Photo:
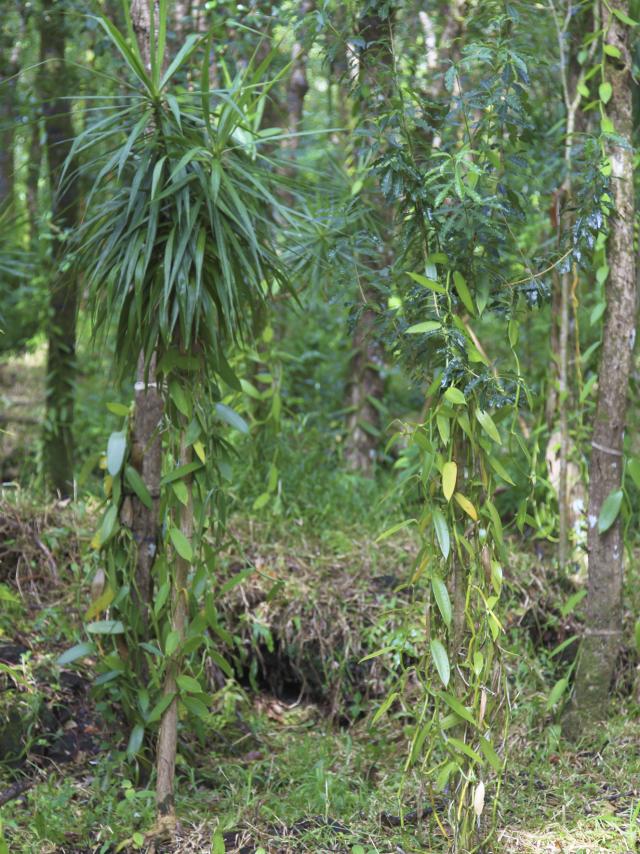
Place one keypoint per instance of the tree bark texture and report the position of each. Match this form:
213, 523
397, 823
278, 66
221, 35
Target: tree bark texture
63, 299
366, 382
602, 634
167, 746
8, 69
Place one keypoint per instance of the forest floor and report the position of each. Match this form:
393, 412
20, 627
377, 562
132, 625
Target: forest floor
278, 773
290, 761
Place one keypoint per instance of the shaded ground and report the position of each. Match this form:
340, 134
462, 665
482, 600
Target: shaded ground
283, 773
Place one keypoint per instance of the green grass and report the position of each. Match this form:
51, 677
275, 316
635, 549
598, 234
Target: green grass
285, 766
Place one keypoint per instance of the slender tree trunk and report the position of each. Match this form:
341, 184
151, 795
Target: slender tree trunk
602, 634
146, 444
54, 78
366, 383
8, 68
167, 746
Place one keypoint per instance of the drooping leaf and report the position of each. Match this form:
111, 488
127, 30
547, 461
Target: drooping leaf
441, 661
456, 706
442, 532
135, 740
384, 707
610, 510
80, 650
231, 417
463, 292
466, 505
449, 477
137, 484
181, 544
488, 425
443, 601
116, 449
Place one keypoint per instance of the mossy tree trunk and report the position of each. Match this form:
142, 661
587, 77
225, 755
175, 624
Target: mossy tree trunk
54, 77
601, 640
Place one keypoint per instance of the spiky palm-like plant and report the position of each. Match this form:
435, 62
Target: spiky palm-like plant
179, 248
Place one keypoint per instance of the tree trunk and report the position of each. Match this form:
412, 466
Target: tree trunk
602, 634
54, 78
167, 746
366, 383
8, 68
146, 444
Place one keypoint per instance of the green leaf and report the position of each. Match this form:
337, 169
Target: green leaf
457, 707
605, 91
135, 740
499, 469
235, 580
261, 501
449, 477
181, 492
609, 510
137, 484
494, 760
105, 627
444, 429
394, 529
160, 707
460, 747
189, 685
637, 635
420, 328
443, 601
231, 417
622, 16
181, 544
118, 409
190, 44
80, 650
428, 283
383, 651
100, 604
222, 663
116, 449
612, 50
441, 660
384, 708
180, 472
556, 692
217, 843
488, 425
172, 643
455, 396
633, 467
442, 533
195, 706
180, 398
463, 292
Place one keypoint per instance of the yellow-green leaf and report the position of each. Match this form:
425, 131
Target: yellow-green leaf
449, 477
466, 505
